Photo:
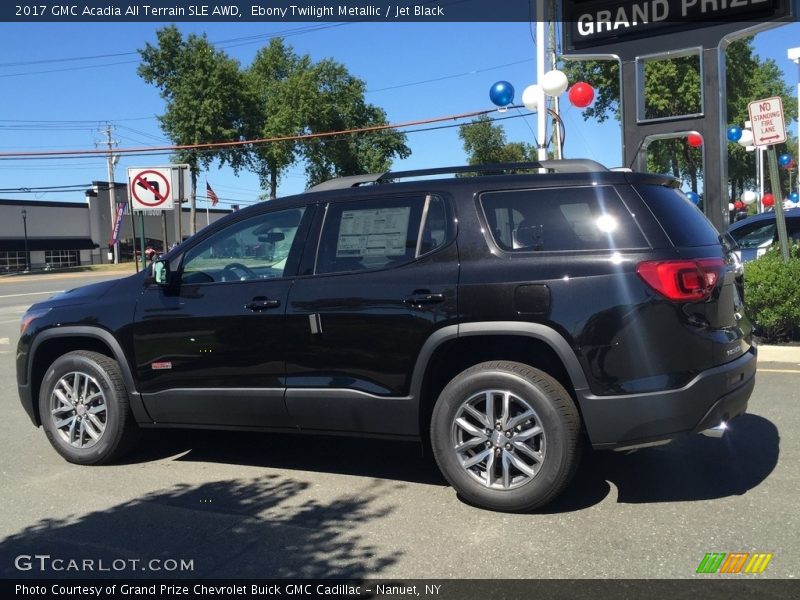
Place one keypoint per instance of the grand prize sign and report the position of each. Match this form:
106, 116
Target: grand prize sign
595, 23
632, 33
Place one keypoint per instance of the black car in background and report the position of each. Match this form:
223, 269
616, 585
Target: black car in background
504, 320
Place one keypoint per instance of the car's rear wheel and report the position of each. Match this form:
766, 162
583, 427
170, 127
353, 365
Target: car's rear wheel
506, 436
84, 408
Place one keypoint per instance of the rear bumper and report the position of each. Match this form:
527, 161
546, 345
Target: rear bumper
716, 395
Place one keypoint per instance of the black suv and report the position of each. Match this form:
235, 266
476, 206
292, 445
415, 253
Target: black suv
503, 318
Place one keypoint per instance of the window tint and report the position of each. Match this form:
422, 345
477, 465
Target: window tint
588, 218
755, 234
374, 234
256, 248
682, 221
434, 229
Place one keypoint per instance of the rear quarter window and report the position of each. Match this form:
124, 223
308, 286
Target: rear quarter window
556, 219
681, 220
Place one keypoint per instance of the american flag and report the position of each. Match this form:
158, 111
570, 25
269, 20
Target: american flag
211, 195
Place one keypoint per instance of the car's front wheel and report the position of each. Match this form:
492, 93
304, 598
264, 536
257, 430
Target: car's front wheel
84, 408
506, 436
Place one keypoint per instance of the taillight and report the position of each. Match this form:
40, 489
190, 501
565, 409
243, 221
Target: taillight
683, 280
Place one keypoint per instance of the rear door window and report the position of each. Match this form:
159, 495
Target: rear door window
381, 233
554, 219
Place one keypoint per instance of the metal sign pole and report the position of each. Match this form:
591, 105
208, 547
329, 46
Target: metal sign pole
133, 236
780, 220
141, 233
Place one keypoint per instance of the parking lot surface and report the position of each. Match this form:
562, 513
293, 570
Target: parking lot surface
231, 504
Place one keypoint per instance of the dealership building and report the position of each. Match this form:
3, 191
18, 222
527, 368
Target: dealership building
46, 234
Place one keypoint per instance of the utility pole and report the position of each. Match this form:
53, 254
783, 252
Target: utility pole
112, 195
541, 111
553, 65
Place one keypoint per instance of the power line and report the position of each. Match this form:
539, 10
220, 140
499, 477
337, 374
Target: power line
329, 137
451, 76
52, 188
231, 43
238, 143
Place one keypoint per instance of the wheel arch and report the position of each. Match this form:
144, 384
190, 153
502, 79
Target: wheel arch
453, 349
52, 343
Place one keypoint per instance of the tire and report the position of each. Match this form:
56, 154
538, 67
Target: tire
85, 410
528, 456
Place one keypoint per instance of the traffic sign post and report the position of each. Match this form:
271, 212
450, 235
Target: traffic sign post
155, 190
780, 219
769, 128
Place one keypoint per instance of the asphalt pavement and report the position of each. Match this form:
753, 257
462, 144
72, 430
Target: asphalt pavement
228, 504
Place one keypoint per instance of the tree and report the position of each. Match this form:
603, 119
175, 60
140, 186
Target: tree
485, 143
205, 98
278, 81
672, 87
339, 105
295, 96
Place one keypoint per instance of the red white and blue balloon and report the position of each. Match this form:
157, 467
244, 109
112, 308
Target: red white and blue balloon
501, 94
734, 133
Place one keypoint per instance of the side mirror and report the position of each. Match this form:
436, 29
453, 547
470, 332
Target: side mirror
160, 272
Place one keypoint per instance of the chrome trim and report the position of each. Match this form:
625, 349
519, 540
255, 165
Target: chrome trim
717, 431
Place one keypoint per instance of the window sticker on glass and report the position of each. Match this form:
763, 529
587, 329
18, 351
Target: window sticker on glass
378, 232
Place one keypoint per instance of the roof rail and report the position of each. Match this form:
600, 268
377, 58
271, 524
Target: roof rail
556, 166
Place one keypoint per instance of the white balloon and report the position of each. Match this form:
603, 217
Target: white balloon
554, 83
530, 97
749, 197
747, 138
731, 207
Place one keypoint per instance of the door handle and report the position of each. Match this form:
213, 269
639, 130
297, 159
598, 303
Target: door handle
424, 298
260, 303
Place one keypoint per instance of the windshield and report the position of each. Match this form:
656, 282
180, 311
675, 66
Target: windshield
754, 235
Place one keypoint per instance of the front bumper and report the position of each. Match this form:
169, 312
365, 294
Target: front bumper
715, 395
27, 402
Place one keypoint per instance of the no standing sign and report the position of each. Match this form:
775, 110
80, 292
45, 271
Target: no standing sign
766, 118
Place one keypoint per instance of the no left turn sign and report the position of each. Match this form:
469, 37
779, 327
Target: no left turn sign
150, 189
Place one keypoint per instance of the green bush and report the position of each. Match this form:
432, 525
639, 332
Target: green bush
772, 294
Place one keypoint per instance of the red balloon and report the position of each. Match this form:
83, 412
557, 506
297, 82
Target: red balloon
790, 165
768, 200
581, 94
695, 140
738, 205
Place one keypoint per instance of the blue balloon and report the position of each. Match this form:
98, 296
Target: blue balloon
794, 197
501, 93
693, 197
785, 160
734, 133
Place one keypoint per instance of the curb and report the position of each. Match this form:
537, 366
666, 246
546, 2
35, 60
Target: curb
779, 354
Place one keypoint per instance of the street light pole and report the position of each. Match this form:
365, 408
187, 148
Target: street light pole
25, 230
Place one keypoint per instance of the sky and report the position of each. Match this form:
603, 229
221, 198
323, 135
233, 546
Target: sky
412, 70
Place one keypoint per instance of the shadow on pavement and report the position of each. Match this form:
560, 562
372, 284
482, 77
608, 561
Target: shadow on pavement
383, 459
257, 528
690, 468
